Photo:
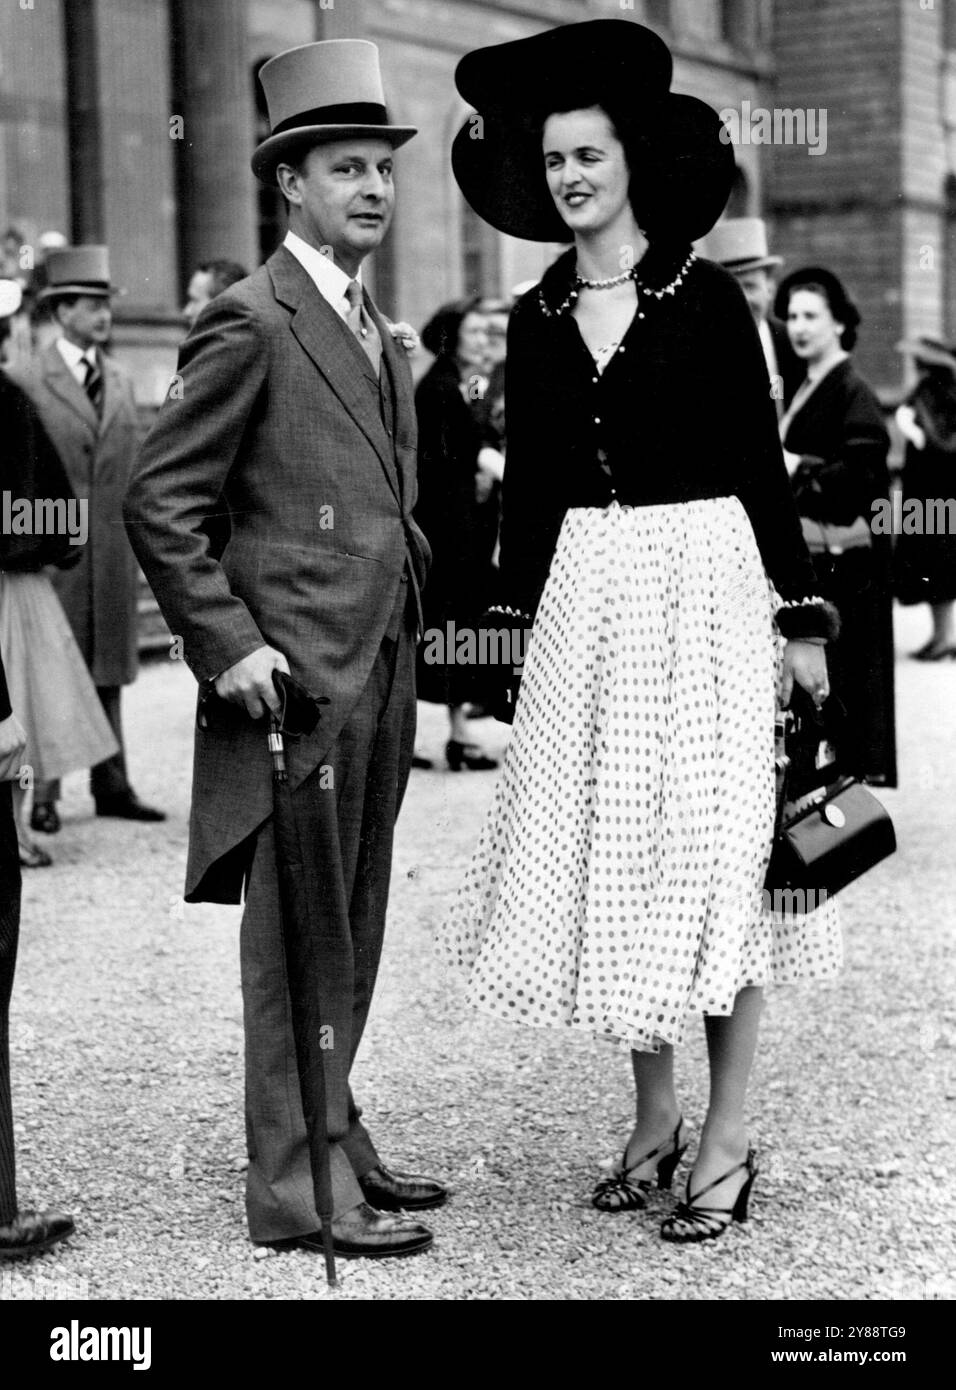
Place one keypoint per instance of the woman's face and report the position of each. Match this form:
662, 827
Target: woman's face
586, 169
473, 341
814, 332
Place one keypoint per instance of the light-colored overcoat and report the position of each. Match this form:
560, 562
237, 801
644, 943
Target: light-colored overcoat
275, 428
99, 593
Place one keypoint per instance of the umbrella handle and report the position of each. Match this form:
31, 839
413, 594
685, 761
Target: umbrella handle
277, 751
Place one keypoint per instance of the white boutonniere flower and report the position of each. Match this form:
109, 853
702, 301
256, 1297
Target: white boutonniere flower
405, 336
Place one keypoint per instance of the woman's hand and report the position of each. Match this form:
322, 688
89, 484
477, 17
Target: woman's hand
805, 663
13, 740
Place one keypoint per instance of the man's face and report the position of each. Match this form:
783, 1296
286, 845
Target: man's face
86, 321
198, 295
342, 196
758, 289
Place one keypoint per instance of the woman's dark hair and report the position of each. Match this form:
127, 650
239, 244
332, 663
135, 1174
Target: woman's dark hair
440, 334
831, 290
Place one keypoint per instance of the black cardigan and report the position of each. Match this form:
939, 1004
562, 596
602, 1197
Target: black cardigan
681, 412
843, 443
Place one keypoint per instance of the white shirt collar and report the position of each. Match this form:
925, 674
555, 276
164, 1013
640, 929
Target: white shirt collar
329, 279
76, 357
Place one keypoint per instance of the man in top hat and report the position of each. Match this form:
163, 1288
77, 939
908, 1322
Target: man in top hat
85, 400
296, 420
739, 244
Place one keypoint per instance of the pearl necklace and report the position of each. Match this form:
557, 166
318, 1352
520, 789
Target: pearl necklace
580, 283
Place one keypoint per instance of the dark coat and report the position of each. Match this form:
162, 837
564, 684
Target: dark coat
843, 441
789, 366
31, 468
925, 564
680, 413
461, 531
5, 710
278, 421
99, 592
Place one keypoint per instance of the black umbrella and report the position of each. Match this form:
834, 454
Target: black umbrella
300, 935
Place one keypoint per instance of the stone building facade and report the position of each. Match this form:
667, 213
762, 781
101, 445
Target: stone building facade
132, 122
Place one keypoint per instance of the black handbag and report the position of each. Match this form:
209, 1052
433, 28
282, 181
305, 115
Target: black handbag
828, 835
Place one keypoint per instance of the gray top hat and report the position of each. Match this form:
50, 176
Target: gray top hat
740, 243
78, 270
330, 90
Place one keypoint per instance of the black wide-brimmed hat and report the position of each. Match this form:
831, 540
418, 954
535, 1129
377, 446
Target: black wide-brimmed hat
680, 156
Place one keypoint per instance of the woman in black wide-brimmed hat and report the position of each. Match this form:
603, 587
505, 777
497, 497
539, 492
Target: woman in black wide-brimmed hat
649, 528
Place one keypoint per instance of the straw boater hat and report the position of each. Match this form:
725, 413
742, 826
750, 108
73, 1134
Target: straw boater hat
681, 167
740, 243
323, 91
77, 270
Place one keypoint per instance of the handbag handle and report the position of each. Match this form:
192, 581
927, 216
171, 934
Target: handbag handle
828, 724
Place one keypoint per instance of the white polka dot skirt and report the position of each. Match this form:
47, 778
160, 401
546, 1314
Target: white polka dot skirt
616, 884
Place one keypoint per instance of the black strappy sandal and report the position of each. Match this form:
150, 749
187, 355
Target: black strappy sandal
621, 1192
692, 1222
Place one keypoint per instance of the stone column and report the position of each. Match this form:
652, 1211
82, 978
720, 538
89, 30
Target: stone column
213, 93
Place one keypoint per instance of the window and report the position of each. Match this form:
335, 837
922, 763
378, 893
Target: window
738, 204
658, 13
738, 22
949, 259
480, 255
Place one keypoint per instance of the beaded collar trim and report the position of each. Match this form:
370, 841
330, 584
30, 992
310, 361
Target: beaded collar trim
578, 283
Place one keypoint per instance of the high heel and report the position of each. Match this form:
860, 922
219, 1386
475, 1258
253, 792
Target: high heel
621, 1192
459, 755
33, 857
932, 651
692, 1222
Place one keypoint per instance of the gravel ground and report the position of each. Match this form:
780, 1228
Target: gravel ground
127, 1065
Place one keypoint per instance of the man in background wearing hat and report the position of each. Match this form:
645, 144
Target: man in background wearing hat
85, 400
739, 244
296, 418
